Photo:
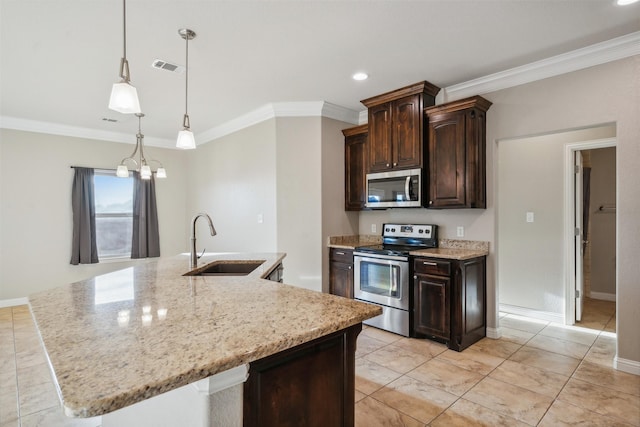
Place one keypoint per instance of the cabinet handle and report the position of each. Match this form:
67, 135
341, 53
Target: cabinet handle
430, 202
430, 263
387, 164
415, 277
395, 164
339, 253
349, 267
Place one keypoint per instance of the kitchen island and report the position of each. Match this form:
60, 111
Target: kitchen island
124, 337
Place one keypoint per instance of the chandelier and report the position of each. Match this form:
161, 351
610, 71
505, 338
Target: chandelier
142, 165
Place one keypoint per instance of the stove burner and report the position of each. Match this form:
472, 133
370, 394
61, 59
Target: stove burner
400, 239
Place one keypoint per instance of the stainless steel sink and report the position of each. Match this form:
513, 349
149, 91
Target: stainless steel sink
227, 268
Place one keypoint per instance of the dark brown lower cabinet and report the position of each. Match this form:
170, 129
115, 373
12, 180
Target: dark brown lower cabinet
308, 385
341, 272
450, 300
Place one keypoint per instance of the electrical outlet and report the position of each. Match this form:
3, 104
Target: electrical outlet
529, 216
460, 231
373, 228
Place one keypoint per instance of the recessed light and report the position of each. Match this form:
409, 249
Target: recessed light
360, 76
625, 2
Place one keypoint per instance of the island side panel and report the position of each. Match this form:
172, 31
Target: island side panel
311, 384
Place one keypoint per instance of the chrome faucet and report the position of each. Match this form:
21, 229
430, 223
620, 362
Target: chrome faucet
194, 255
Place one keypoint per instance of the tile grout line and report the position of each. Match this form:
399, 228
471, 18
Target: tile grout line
15, 364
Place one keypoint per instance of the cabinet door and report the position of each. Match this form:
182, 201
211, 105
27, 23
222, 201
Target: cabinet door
447, 159
431, 305
380, 138
355, 174
341, 279
469, 304
308, 385
407, 132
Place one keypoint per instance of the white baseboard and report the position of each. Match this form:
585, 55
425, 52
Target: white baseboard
626, 365
534, 314
602, 296
494, 333
13, 302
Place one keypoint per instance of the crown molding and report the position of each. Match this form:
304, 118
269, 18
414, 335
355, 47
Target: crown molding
254, 117
599, 53
280, 109
26, 125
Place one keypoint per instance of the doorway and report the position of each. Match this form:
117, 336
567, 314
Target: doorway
591, 234
596, 302
536, 263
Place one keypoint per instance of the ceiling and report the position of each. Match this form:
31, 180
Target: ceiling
60, 58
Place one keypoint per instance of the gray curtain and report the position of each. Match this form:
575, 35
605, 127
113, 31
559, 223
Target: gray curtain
146, 239
83, 247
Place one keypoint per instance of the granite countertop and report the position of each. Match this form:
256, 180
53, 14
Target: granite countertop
126, 336
455, 249
447, 248
448, 253
352, 242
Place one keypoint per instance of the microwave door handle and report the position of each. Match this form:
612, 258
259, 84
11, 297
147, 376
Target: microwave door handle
407, 189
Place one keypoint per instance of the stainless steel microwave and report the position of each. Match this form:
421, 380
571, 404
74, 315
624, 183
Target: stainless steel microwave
397, 189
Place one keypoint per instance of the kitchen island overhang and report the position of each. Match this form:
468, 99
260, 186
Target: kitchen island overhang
123, 337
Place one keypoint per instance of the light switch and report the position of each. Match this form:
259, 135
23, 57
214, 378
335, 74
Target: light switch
260, 218
529, 216
373, 228
460, 231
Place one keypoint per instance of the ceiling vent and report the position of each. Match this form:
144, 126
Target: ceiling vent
164, 65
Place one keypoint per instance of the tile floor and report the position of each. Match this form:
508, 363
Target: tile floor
537, 374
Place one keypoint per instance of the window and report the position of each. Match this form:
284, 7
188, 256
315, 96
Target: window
114, 214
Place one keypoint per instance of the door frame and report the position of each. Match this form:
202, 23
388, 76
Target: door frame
569, 220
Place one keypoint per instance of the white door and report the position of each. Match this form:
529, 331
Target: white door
578, 235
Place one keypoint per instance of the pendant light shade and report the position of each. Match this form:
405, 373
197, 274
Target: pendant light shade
122, 171
186, 140
161, 173
124, 97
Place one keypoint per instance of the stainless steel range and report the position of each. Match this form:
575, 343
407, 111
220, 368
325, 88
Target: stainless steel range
381, 273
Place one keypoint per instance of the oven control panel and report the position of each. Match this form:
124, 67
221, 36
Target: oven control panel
423, 231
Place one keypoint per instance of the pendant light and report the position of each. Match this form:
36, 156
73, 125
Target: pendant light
142, 164
185, 136
124, 97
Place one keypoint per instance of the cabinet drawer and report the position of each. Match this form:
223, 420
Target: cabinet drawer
432, 266
341, 255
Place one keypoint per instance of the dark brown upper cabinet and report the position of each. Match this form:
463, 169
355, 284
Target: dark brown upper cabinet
356, 152
396, 127
457, 154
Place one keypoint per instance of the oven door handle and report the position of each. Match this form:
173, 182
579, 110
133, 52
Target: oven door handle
376, 257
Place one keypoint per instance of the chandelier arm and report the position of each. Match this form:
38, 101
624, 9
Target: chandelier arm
129, 158
156, 161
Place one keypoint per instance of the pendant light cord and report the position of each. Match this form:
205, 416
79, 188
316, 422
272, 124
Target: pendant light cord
186, 81
124, 28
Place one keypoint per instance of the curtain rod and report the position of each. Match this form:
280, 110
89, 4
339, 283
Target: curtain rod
95, 169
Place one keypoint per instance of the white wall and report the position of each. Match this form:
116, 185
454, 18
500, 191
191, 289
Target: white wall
603, 223
531, 259
233, 179
607, 93
35, 209
335, 220
299, 189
